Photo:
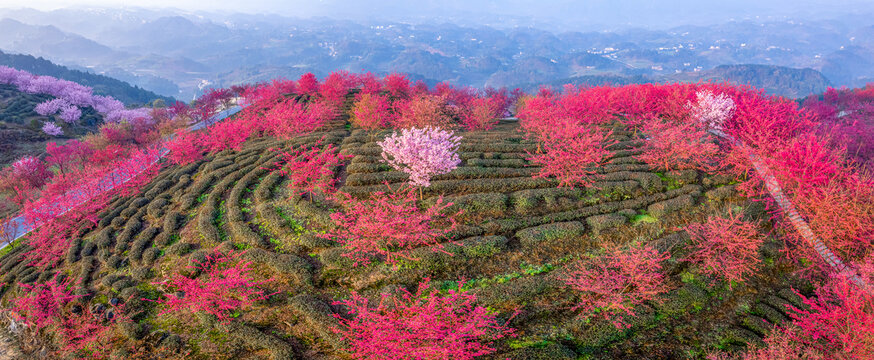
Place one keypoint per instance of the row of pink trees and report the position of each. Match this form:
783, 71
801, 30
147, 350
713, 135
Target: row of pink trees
68, 98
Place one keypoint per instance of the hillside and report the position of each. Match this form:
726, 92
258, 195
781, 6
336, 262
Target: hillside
102, 85
21, 128
516, 240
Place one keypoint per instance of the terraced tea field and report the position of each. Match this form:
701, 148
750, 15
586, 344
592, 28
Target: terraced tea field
516, 236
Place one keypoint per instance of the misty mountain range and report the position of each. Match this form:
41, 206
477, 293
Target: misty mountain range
177, 53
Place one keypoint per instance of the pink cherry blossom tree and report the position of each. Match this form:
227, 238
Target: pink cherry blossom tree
421, 153
711, 109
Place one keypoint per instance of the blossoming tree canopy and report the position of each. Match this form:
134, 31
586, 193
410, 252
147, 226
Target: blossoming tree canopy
421, 153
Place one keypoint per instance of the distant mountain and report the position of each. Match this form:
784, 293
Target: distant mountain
102, 85
76, 51
775, 80
162, 49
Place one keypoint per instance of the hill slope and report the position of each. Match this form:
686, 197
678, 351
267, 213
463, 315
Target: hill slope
102, 85
21, 127
519, 234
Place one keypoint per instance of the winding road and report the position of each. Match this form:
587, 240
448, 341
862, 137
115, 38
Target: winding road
19, 226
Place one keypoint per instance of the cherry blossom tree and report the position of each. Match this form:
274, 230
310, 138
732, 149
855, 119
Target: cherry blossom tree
727, 247
711, 109
420, 325
52, 129
388, 226
226, 284
421, 153
616, 281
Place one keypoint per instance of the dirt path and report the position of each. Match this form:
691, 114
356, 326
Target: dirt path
8, 350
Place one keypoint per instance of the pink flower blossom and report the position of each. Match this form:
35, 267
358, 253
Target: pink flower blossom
52, 129
421, 153
424, 325
711, 109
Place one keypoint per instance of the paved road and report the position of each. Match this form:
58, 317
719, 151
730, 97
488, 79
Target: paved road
20, 225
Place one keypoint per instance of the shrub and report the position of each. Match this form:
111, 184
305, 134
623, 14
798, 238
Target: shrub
614, 282
419, 326
421, 153
389, 226
726, 246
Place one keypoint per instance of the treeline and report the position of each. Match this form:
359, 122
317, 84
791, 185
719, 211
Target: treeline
102, 85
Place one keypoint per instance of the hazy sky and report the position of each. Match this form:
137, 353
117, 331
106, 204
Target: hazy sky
565, 13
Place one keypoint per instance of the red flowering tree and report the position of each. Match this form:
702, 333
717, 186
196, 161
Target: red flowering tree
30, 172
226, 284
227, 135
421, 325
683, 146
308, 84
840, 320
338, 83
397, 85
291, 118
310, 169
66, 157
388, 226
372, 112
481, 114
537, 116
572, 154
616, 281
185, 147
422, 111
43, 304
727, 247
